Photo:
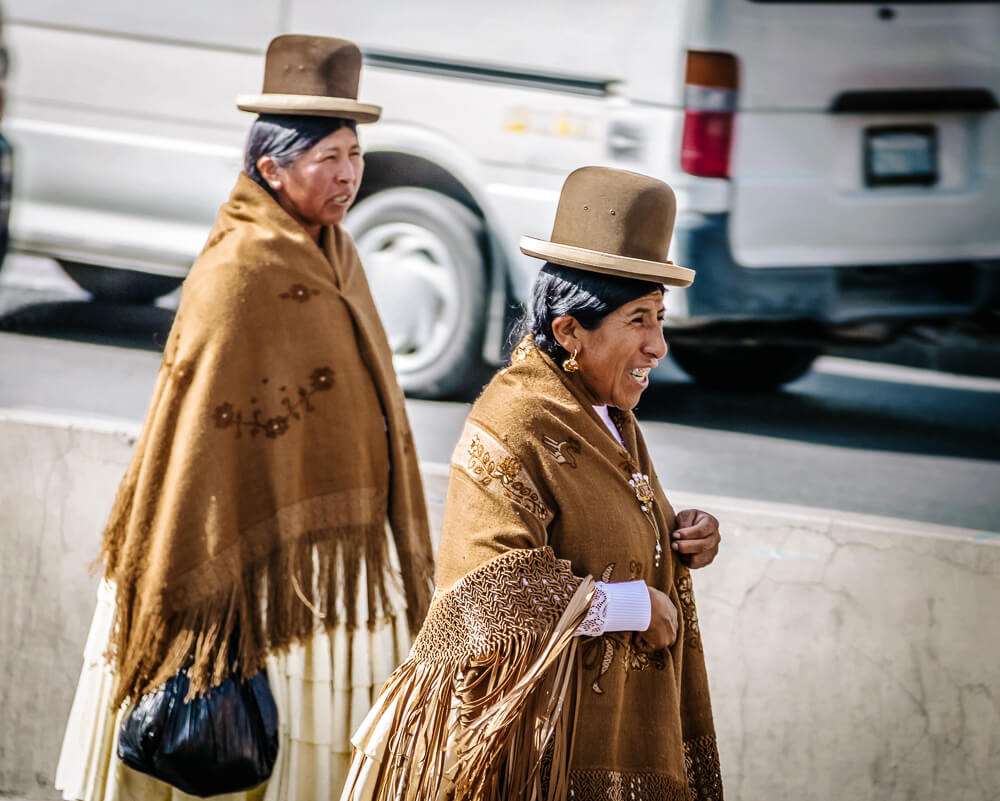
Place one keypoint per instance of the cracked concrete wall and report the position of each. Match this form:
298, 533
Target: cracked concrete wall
56, 488
850, 657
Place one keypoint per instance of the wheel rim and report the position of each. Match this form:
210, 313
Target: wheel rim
415, 283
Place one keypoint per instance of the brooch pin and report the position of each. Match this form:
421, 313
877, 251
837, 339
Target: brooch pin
644, 494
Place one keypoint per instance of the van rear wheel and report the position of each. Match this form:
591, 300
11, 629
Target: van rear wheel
117, 285
421, 252
744, 367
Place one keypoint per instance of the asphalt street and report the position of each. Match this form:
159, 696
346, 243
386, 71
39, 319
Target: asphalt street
859, 436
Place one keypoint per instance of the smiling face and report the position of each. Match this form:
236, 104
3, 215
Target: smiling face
615, 358
318, 187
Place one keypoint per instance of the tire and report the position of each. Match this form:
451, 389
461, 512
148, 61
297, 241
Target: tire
744, 367
421, 252
118, 285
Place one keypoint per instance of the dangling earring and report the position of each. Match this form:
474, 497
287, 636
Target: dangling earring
571, 365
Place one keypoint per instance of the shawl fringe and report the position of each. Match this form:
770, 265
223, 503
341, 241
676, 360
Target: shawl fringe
255, 616
480, 724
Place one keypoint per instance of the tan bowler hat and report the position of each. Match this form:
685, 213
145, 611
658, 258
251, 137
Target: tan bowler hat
615, 222
315, 76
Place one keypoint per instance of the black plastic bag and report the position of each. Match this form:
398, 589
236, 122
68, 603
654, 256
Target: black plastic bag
225, 741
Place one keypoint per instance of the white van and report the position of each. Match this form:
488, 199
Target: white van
837, 164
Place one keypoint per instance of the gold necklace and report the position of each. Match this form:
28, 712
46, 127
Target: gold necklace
643, 493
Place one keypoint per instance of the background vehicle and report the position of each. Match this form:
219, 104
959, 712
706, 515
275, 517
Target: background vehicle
837, 164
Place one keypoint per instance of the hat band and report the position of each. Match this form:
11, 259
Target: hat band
608, 263
310, 105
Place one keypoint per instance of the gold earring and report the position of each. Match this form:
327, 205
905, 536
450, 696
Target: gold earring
571, 365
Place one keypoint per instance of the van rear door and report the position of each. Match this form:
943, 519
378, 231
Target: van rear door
865, 134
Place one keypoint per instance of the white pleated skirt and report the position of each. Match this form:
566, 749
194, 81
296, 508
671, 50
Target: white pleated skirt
323, 690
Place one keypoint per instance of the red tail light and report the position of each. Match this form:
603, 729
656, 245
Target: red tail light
711, 84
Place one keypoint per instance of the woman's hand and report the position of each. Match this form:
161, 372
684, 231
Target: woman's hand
662, 631
696, 538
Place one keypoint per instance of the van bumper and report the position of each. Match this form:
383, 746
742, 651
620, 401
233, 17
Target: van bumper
725, 291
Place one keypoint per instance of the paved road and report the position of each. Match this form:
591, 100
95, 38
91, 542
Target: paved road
851, 435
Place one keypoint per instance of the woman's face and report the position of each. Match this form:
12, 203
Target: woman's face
319, 187
616, 357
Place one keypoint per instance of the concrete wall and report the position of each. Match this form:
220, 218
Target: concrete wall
56, 488
850, 657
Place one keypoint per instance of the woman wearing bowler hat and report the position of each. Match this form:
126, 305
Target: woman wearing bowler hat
529, 679
273, 514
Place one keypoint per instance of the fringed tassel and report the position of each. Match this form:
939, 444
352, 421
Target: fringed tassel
518, 723
444, 730
282, 598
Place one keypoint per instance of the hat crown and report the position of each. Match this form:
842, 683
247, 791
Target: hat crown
312, 65
615, 211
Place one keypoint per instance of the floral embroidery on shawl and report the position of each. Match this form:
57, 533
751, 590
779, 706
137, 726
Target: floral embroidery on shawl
599, 654
485, 460
523, 350
632, 659
256, 422
692, 632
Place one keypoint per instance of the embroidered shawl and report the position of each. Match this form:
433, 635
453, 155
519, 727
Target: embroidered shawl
275, 450
540, 495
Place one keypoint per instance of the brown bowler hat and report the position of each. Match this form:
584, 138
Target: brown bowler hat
315, 76
615, 222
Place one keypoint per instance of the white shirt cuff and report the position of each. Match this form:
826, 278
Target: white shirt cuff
628, 606
623, 606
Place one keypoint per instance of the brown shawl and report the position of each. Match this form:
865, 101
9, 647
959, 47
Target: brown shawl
275, 448
536, 479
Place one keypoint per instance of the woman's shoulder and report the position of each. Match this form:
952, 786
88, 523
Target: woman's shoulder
233, 284
222, 272
243, 252
522, 411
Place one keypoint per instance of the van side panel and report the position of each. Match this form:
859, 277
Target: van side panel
516, 32
220, 23
130, 165
638, 44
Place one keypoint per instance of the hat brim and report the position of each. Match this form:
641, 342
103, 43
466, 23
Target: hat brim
608, 263
309, 106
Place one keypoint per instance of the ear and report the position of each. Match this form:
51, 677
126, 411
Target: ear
567, 330
270, 170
